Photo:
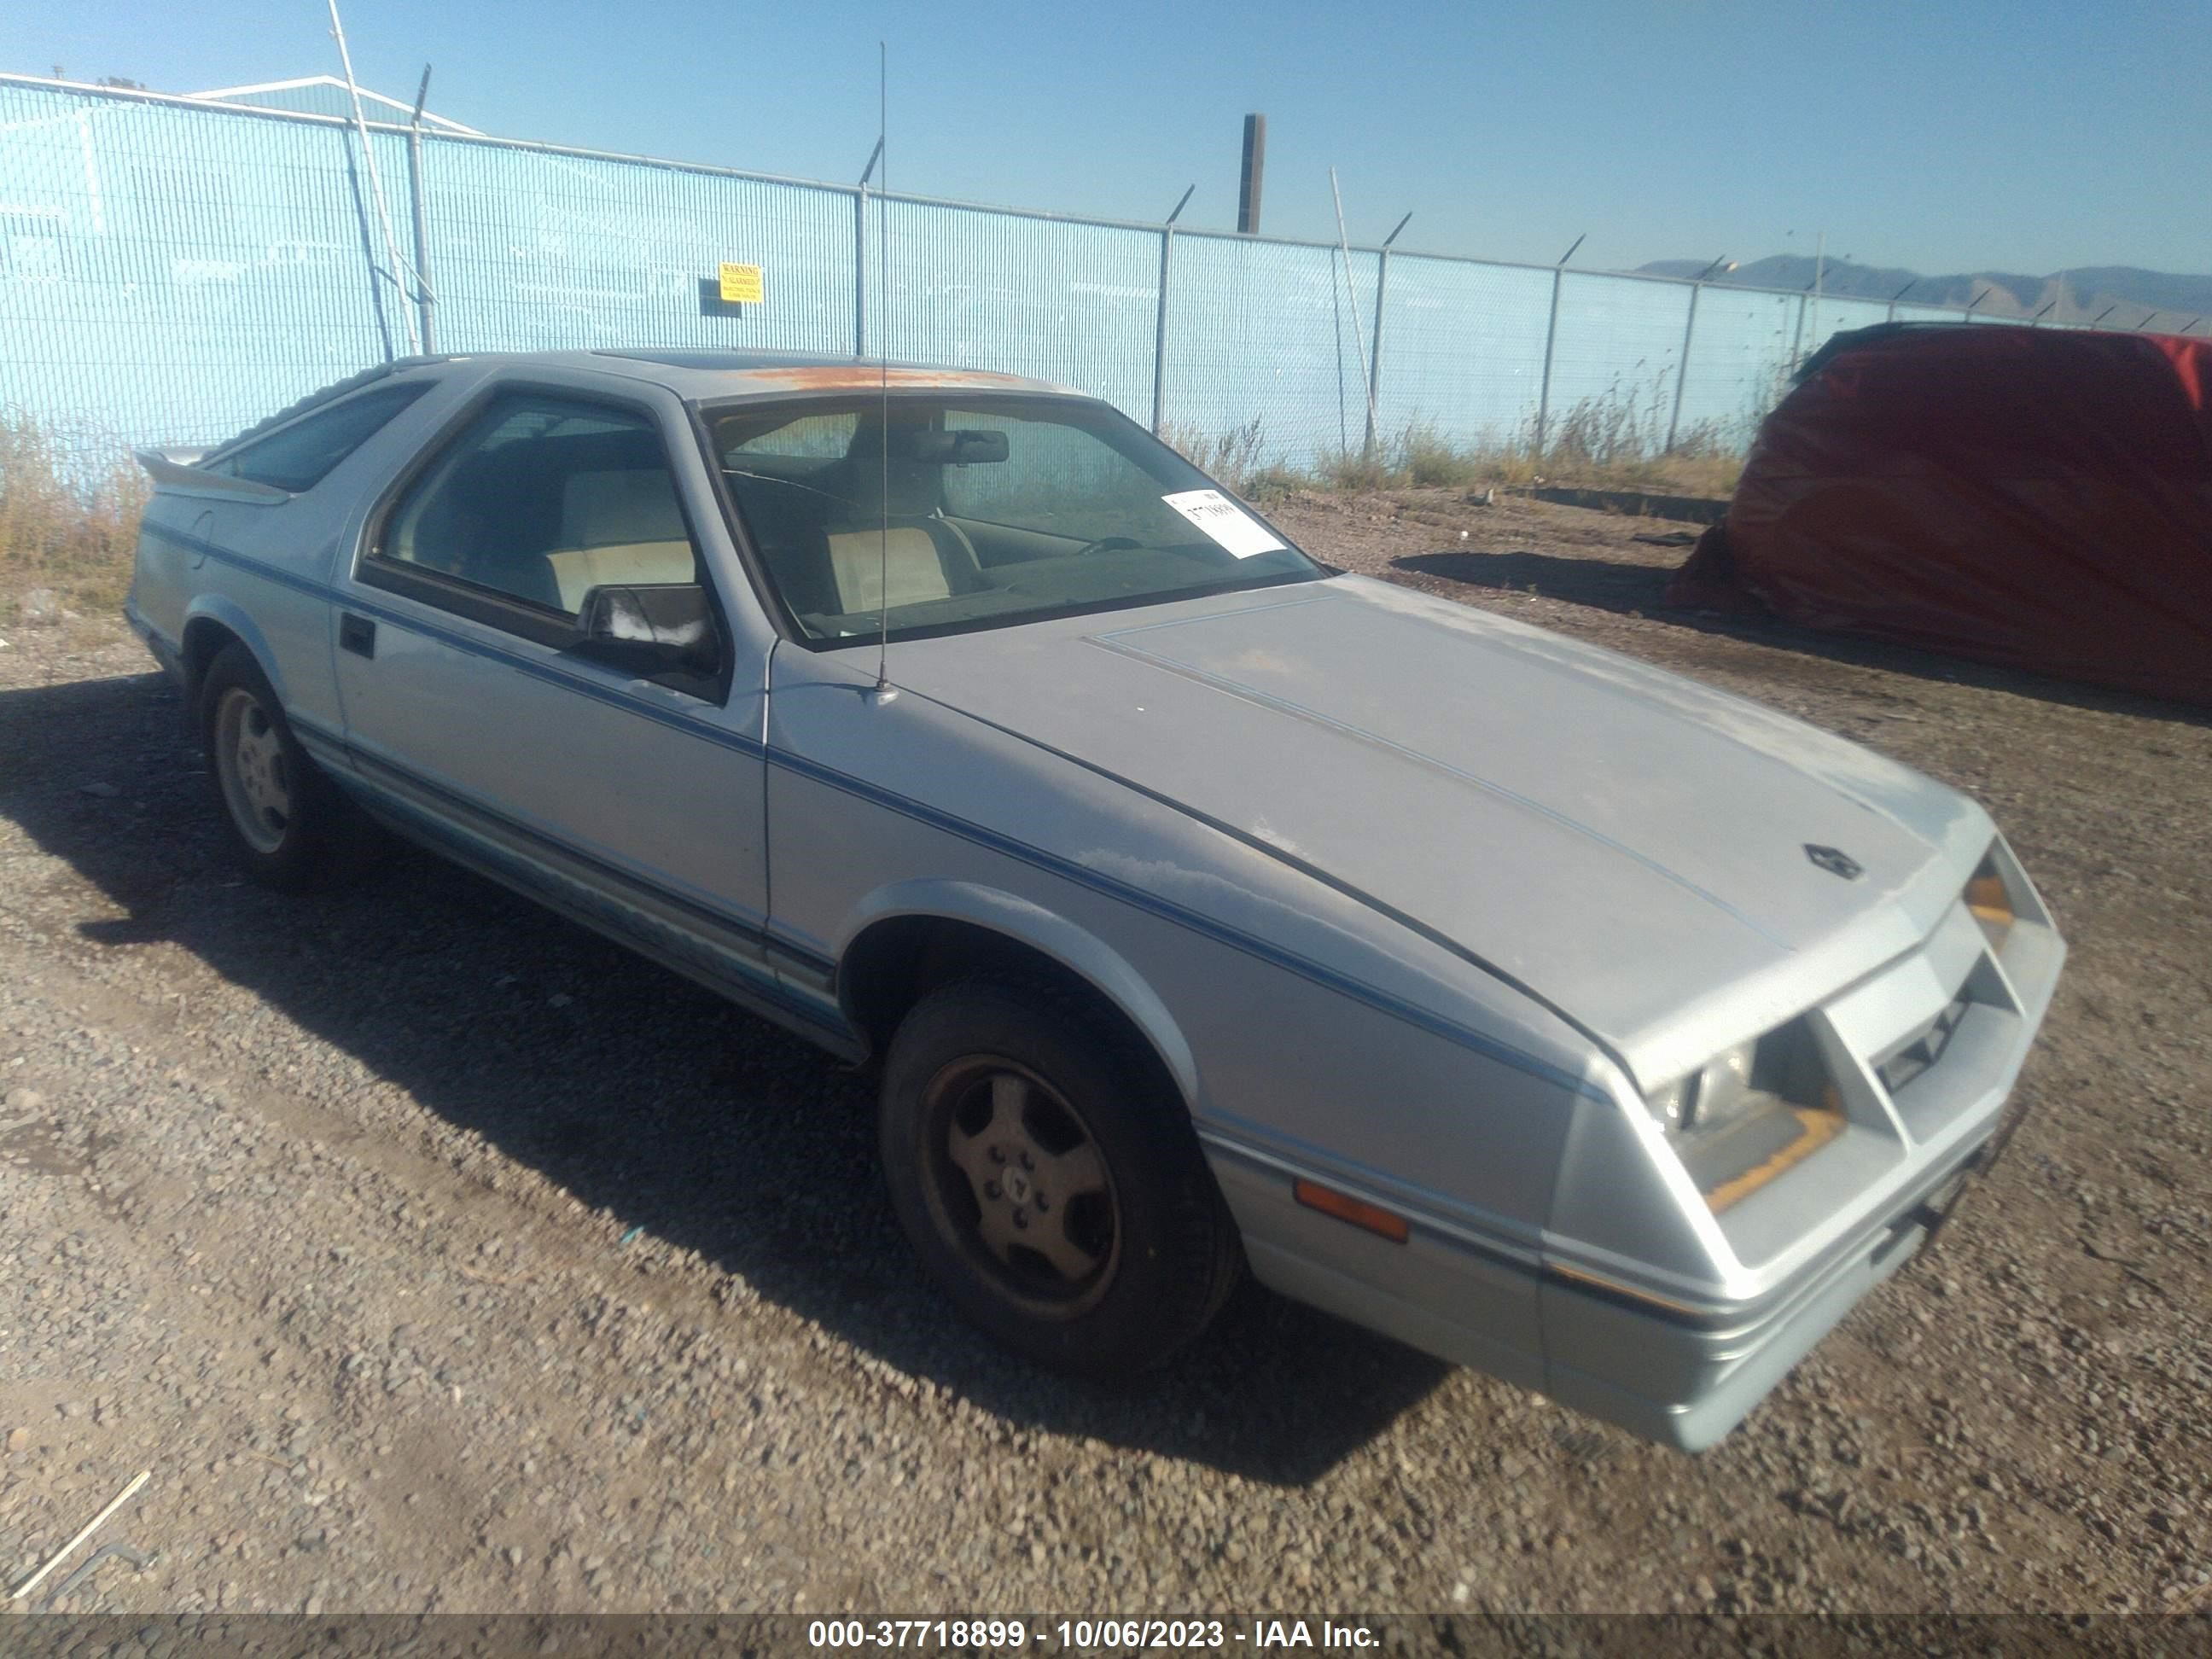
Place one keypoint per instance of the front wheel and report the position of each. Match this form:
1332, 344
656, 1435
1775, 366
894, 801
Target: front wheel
1051, 1181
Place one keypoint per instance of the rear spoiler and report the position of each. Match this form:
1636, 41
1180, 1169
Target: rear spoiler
176, 472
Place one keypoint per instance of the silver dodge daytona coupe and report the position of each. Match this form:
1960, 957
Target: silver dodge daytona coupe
1199, 908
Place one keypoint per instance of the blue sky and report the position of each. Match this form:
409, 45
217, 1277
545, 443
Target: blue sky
1950, 135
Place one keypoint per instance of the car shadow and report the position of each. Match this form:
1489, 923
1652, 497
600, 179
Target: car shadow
1632, 589
636, 1092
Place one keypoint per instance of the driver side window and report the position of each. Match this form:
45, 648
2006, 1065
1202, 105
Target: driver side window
540, 499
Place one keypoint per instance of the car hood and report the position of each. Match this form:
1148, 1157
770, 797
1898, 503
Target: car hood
1630, 845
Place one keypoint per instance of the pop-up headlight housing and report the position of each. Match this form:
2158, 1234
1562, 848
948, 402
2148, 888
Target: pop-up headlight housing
1749, 1113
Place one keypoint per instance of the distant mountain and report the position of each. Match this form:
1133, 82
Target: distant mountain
2074, 297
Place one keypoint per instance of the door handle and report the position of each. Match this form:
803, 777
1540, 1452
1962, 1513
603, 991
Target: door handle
356, 635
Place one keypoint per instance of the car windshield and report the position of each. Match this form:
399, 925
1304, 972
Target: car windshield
980, 512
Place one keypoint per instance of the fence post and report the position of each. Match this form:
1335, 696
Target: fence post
1797, 337
1375, 360
860, 271
425, 296
1160, 316
860, 254
1160, 334
1551, 339
1682, 368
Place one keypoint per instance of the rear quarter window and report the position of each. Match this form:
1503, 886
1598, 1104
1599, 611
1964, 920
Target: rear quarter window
301, 455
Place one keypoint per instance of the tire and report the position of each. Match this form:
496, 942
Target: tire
1048, 1178
287, 825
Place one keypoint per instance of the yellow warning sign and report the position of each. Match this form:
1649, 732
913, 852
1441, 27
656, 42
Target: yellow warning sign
741, 285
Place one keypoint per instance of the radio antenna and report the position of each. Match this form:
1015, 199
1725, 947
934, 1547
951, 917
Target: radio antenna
884, 691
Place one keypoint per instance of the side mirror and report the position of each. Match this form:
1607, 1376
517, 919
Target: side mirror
649, 631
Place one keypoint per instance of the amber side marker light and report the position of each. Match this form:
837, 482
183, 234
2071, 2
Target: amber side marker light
1344, 1207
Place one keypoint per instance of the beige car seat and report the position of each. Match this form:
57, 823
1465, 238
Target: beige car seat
891, 534
618, 528
861, 562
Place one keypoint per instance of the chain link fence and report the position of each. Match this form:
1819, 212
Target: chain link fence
171, 272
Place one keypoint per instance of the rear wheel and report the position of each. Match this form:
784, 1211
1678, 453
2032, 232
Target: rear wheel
288, 826
1049, 1180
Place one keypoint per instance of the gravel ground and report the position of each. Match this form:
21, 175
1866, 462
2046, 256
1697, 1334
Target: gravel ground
433, 1255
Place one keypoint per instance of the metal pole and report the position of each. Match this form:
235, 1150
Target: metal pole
1160, 336
1899, 294
425, 296
1682, 368
2038, 317
1375, 360
376, 183
861, 253
1160, 318
1352, 300
2101, 315
1551, 339
1248, 179
1544, 391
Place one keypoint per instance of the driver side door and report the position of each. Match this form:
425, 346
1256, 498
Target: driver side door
635, 805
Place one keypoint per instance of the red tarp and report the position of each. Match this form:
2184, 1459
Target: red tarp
2040, 498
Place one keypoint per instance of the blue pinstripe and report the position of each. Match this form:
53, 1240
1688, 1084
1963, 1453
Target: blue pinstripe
1036, 857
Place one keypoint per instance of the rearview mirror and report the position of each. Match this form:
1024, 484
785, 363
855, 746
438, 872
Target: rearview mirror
958, 448
649, 629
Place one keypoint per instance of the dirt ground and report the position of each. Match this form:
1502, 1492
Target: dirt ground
433, 1255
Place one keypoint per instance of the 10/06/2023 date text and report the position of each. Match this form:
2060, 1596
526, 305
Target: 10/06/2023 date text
1080, 1635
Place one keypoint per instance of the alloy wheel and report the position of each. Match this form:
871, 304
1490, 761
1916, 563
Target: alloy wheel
1021, 1186
251, 763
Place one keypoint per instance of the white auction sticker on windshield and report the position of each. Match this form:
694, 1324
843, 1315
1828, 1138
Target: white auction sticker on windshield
1226, 522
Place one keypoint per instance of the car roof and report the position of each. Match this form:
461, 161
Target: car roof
706, 375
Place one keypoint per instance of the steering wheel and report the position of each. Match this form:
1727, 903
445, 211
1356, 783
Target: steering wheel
1105, 545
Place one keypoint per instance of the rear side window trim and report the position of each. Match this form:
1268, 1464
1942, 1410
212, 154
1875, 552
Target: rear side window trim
402, 394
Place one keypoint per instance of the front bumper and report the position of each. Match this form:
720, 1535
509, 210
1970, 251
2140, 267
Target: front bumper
1667, 1377
1921, 1137
1686, 1384
1677, 1357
